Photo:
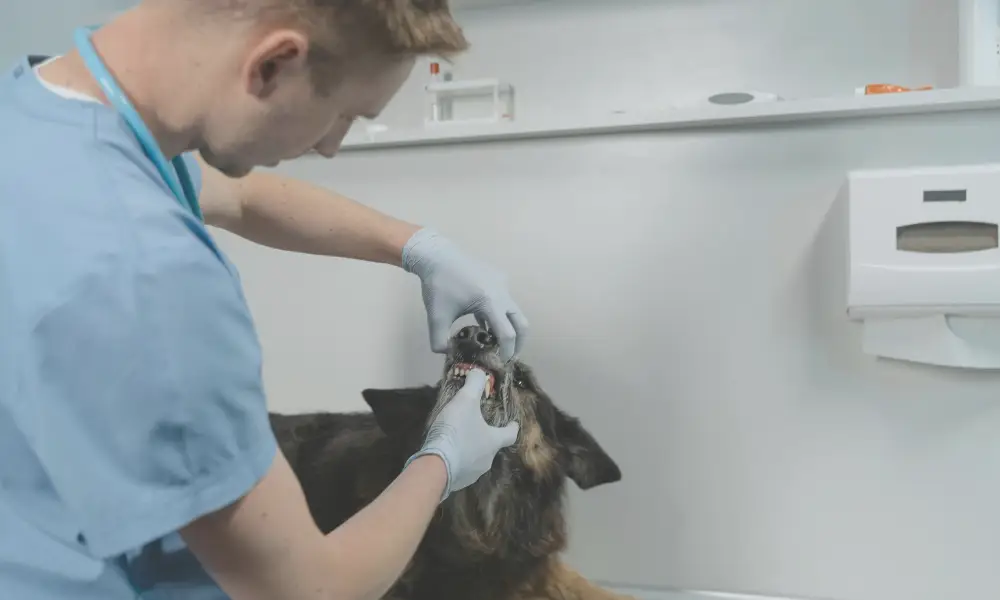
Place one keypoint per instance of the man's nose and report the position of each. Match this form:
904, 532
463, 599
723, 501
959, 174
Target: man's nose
328, 148
330, 145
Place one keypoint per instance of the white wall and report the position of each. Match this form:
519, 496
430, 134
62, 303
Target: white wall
686, 293
596, 56
46, 27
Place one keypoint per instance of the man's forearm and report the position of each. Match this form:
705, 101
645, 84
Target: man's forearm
379, 541
267, 546
297, 216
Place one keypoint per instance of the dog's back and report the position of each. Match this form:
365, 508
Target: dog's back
342, 460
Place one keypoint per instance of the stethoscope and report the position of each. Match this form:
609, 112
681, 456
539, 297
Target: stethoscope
178, 179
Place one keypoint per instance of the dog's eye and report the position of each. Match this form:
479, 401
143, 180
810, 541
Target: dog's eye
519, 380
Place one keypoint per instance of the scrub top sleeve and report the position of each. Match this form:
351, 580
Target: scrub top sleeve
148, 407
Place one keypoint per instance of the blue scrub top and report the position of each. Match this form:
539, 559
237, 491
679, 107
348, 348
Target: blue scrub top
131, 399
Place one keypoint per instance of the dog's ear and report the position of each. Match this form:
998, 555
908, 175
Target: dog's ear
587, 463
400, 411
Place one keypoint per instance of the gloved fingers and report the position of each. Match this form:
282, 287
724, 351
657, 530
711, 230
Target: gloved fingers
502, 329
520, 323
439, 329
475, 383
508, 434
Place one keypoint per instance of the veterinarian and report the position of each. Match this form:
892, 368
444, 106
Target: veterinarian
137, 457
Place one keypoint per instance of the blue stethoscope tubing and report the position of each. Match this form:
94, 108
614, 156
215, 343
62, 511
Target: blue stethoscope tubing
178, 179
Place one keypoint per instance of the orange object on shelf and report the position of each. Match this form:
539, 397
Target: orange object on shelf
888, 88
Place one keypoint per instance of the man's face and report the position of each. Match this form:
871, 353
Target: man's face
273, 112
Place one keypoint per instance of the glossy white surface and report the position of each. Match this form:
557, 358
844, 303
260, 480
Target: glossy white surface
464, 5
647, 594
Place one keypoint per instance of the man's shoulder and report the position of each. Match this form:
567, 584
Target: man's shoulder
55, 146
98, 159
84, 211
81, 203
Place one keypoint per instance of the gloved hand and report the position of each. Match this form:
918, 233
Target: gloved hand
455, 285
463, 439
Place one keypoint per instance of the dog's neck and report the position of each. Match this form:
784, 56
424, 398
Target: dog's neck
509, 511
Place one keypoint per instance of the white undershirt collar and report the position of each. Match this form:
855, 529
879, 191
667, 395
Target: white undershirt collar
59, 90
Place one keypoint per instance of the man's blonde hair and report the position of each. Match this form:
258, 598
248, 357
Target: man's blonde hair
343, 32
345, 27
392, 27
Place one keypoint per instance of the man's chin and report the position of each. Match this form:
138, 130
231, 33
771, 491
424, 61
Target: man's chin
228, 168
234, 171
238, 173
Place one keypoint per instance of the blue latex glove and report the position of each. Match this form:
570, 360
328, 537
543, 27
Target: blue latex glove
463, 439
455, 285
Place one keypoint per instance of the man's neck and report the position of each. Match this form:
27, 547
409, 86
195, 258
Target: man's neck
153, 71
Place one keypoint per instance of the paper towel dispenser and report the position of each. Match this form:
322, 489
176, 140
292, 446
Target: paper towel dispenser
925, 263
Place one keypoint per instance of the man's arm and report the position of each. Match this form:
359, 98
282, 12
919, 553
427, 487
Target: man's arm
293, 215
289, 214
266, 546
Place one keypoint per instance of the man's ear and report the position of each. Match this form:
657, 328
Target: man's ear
587, 463
398, 411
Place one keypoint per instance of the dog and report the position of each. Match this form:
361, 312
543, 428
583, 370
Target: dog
498, 539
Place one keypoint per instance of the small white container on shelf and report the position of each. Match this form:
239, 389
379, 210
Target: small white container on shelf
979, 42
474, 101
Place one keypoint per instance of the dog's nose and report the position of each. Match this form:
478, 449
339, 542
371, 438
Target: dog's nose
473, 337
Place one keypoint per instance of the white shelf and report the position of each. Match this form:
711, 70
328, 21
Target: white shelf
649, 594
846, 107
460, 5
466, 87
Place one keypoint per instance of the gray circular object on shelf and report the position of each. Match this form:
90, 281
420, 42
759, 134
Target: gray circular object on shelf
731, 98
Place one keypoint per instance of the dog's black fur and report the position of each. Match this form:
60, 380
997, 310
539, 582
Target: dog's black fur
495, 540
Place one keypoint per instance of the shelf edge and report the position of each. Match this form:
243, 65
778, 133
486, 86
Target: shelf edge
710, 116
